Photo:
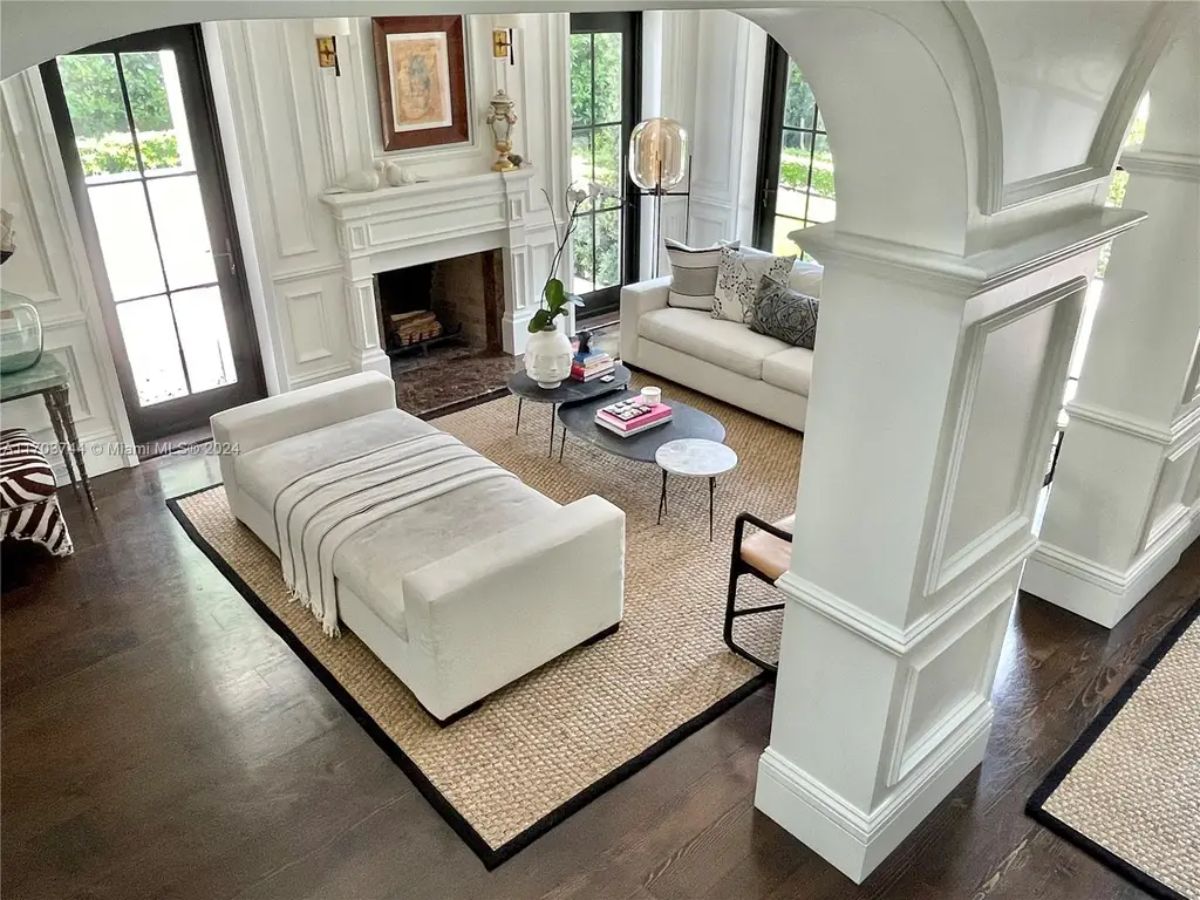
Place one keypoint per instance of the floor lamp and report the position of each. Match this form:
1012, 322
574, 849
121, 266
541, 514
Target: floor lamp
659, 162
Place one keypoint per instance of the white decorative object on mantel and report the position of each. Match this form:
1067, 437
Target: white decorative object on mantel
361, 181
398, 176
548, 357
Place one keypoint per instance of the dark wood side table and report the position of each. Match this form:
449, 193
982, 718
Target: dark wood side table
49, 378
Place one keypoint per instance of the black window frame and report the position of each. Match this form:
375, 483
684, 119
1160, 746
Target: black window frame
192, 410
629, 25
770, 149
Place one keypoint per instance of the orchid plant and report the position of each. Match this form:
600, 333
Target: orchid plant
555, 299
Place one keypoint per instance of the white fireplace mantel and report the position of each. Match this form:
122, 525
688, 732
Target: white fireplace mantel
397, 227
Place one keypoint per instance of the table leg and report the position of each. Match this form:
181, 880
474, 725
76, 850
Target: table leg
562, 445
662, 498
63, 400
712, 483
553, 419
60, 435
520, 402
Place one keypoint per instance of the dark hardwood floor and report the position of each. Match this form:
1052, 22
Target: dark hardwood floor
158, 740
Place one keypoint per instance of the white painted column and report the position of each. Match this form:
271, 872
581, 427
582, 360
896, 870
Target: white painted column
366, 343
935, 387
1125, 500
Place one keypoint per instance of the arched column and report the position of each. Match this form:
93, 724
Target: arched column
937, 379
935, 388
1125, 500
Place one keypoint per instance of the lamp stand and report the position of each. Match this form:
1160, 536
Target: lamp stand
658, 193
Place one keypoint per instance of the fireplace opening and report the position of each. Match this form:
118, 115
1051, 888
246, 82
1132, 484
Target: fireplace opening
456, 302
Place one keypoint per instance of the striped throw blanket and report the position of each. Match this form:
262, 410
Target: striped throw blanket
28, 505
316, 513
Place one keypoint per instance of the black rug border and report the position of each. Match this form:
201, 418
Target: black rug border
1035, 808
489, 856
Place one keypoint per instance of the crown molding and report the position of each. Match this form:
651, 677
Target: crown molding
978, 272
1179, 166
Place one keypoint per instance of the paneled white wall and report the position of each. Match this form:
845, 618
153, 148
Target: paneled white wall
291, 130
705, 68
50, 266
297, 130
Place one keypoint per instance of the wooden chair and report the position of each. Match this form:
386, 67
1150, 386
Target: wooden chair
765, 554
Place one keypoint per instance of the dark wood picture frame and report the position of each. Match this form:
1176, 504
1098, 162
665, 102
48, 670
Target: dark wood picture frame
458, 131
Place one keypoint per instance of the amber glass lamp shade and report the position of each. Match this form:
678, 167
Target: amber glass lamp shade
658, 154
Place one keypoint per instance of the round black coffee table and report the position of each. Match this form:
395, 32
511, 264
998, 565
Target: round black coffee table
686, 422
570, 391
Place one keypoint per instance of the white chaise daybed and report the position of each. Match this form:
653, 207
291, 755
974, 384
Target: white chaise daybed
458, 576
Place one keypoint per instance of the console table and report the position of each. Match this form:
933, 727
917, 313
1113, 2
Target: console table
48, 377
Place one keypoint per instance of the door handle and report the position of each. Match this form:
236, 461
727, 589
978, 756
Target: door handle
229, 258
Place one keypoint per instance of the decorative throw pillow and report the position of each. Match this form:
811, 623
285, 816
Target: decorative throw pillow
694, 274
785, 314
738, 279
806, 278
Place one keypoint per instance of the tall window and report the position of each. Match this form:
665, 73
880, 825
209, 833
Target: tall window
795, 171
605, 57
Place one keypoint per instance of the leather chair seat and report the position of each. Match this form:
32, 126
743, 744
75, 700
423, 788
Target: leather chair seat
767, 553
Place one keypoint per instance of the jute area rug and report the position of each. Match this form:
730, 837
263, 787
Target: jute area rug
544, 746
1128, 791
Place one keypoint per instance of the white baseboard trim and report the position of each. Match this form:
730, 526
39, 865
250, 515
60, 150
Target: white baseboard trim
853, 841
1097, 592
372, 360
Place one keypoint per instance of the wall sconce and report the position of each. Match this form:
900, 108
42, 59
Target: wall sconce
502, 45
327, 31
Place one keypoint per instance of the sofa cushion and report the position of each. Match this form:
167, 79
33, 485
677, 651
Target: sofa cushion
694, 274
806, 278
374, 561
738, 279
789, 369
785, 314
729, 345
264, 472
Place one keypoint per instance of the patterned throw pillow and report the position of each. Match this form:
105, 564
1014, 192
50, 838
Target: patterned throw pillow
694, 274
785, 314
738, 279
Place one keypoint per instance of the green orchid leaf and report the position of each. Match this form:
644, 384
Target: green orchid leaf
555, 295
541, 319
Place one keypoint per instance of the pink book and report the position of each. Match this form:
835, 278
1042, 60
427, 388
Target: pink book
657, 412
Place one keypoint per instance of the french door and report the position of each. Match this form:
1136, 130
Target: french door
795, 167
138, 137
605, 94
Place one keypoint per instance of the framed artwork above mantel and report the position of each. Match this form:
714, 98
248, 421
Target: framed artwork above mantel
420, 63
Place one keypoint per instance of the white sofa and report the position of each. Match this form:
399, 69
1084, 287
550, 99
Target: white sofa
458, 595
723, 359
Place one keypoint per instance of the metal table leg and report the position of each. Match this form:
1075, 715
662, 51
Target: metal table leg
63, 401
520, 401
61, 436
712, 483
562, 444
662, 498
553, 410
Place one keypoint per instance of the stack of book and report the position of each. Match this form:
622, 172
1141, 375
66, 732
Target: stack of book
629, 417
588, 365
411, 327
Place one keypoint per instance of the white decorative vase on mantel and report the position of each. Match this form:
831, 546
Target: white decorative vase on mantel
548, 357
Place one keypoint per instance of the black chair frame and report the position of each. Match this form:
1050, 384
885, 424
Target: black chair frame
739, 567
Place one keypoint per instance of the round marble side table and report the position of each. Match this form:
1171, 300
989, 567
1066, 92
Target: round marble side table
694, 458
